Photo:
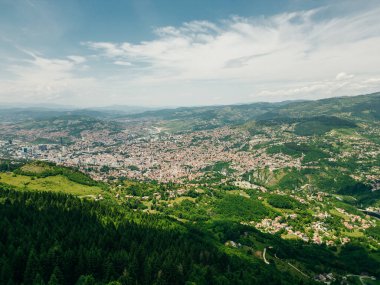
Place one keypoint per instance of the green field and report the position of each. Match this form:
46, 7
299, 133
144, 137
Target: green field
336, 213
57, 183
354, 234
36, 168
290, 236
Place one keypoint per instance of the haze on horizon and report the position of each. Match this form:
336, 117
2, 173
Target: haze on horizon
186, 53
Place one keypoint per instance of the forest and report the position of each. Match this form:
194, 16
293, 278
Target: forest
50, 238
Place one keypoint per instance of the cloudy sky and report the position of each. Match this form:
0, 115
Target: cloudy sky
186, 52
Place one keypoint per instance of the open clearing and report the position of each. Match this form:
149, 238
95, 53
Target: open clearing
57, 183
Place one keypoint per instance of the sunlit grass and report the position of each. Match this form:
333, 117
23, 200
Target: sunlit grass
57, 183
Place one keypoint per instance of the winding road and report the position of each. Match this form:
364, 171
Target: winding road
264, 253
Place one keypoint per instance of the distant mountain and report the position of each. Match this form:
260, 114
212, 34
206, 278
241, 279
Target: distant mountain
362, 107
16, 114
25, 114
356, 108
125, 109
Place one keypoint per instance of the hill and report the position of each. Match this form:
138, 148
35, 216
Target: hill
60, 239
357, 108
207, 235
283, 193
78, 242
43, 176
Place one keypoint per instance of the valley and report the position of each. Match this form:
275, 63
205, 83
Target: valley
294, 194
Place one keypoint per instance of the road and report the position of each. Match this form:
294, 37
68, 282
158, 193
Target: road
298, 270
361, 277
264, 253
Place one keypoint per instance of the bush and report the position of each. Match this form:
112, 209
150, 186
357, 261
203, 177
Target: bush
241, 208
283, 202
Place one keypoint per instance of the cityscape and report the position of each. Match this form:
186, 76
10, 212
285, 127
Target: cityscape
193, 142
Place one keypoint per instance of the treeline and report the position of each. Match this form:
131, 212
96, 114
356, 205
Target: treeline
333, 120
362, 192
49, 238
284, 202
321, 125
309, 126
239, 208
312, 153
7, 165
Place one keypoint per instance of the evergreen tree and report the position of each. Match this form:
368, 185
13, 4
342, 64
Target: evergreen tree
56, 276
53, 280
38, 280
32, 268
6, 272
86, 280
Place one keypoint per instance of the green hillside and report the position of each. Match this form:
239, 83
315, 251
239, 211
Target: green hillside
43, 176
204, 237
353, 109
277, 194
55, 239
92, 243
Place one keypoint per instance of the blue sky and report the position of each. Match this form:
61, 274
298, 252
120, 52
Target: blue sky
181, 53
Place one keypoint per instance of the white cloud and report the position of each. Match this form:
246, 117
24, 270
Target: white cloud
40, 79
372, 80
347, 85
305, 54
77, 58
286, 47
124, 63
343, 75
110, 49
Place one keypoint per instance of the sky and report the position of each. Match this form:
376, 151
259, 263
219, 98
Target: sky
89, 53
